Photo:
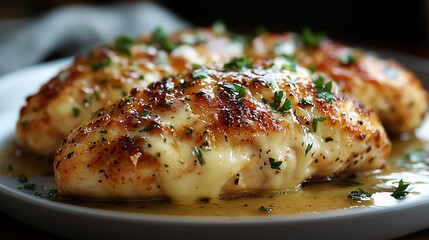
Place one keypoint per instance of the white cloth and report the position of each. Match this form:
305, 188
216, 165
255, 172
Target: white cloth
74, 29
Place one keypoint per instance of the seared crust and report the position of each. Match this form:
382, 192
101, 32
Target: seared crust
396, 94
188, 138
107, 74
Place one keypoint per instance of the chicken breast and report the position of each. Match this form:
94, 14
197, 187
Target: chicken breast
395, 93
214, 132
109, 73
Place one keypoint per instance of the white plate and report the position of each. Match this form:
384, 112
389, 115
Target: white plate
81, 222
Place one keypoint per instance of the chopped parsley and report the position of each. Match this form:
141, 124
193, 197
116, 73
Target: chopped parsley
197, 153
191, 39
11, 167
196, 65
267, 210
52, 193
235, 88
103, 131
123, 44
316, 121
308, 102
190, 131
309, 146
328, 139
415, 155
312, 69
200, 74
360, 194
161, 60
291, 66
219, 28
22, 179
96, 65
287, 105
76, 112
270, 85
311, 39
30, 186
24, 123
161, 37
349, 183
129, 98
238, 63
37, 194
400, 190
146, 112
347, 59
148, 128
275, 164
324, 90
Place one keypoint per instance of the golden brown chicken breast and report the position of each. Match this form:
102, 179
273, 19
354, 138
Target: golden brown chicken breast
107, 74
214, 132
395, 93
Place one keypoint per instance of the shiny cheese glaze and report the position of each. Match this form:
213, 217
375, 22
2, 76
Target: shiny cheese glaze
121, 154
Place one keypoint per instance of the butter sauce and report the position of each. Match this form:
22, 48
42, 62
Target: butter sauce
311, 196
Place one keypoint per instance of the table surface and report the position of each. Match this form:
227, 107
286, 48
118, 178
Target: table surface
14, 229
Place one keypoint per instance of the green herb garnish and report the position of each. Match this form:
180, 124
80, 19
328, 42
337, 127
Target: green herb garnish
360, 194
275, 164
308, 102
200, 74
400, 190
96, 65
267, 210
219, 28
238, 63
197, 153
76, 112
235, 88
37, 194
328, 139
30, 186
309, 146
161, 60
51, 193
123, 44
22, 179
316, 121
312, 39
146, 113
161, 37
312, 69
287, 105
348, 59
324, 90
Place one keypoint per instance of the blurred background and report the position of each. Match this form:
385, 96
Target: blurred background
394, 25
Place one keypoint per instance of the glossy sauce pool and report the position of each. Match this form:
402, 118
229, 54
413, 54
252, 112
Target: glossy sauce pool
409, 161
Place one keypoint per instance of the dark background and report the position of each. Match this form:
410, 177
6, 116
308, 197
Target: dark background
397, 25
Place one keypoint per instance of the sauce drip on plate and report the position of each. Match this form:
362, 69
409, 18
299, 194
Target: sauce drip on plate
409, 162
